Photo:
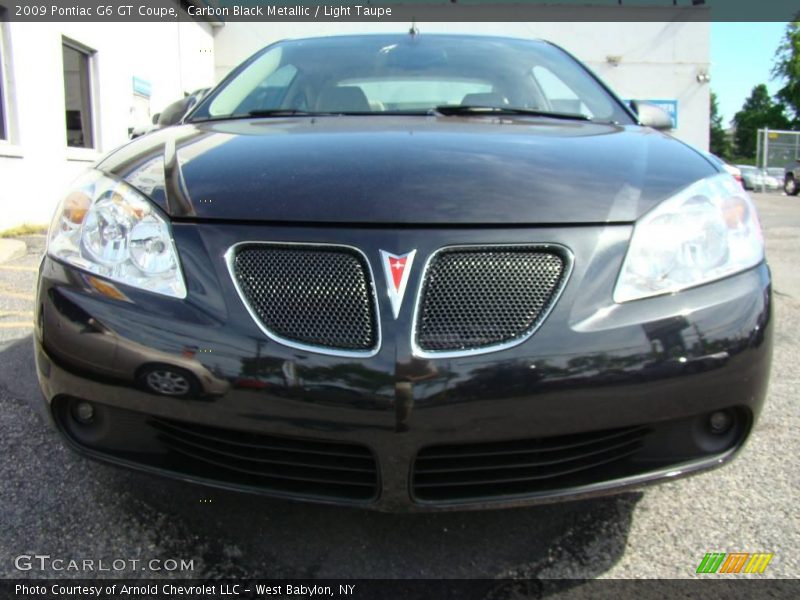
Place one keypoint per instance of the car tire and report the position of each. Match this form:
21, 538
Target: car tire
167, 380
790, 186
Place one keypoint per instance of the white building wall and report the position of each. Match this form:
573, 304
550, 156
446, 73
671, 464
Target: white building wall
36, 165
658, 60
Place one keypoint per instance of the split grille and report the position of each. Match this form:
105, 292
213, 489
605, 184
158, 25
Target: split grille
472, 299
286, 465
477, 298
320, 296
523, 467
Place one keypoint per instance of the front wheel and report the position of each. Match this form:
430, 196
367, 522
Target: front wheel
790, 186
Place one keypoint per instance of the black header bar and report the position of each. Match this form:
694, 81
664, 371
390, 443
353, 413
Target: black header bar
218, 12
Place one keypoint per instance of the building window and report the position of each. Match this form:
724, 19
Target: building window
78, 95
3, 110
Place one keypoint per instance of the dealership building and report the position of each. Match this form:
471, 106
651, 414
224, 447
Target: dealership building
70, 92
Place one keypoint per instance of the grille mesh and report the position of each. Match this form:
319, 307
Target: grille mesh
314, 295
481, 297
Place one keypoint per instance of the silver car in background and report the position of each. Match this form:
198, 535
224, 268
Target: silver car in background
774, 177
752, 177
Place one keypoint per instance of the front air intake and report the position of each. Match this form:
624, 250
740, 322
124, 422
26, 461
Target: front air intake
292, 466
486, 298
491, 470
318, 297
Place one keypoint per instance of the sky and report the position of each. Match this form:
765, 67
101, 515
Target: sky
742, 55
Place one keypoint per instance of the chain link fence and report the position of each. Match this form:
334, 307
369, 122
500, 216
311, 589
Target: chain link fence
777, 148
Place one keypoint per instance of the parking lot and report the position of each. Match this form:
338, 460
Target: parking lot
55, 502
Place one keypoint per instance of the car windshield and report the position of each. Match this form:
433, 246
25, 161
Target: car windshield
410, 74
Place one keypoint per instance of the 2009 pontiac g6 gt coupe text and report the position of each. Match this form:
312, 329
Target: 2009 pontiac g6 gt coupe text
407, 272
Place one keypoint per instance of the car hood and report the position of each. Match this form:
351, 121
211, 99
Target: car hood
408, 170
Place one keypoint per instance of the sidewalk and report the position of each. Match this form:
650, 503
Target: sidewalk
19, 261
11, 248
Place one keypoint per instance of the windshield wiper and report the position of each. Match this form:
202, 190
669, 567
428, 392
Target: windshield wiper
468, 109
336, 113
270, 112
282, 112
294, 112
445, 109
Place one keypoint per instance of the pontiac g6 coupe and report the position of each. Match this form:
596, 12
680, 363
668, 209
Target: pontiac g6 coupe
407, 272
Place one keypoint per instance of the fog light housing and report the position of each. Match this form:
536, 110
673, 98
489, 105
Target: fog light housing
720, 422
83, 412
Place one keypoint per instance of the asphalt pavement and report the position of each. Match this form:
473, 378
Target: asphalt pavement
55, 502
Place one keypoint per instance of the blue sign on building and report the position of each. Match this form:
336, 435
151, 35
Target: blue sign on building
670, 106
141, 87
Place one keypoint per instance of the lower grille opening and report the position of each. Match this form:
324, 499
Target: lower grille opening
258, 462
292, 466
497, 469
483, 471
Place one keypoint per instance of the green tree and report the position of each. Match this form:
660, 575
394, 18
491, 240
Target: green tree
787, 69
718, 141
758, 111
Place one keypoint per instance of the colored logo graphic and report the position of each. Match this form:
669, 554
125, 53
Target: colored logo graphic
397, 268
734, 562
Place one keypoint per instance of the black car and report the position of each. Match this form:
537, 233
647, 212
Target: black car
407, 272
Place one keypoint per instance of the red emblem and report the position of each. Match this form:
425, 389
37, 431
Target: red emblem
397, 268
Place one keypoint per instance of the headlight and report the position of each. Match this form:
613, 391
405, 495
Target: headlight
106, 227
707, 231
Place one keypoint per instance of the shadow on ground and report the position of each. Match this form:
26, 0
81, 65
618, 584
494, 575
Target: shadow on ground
63, 503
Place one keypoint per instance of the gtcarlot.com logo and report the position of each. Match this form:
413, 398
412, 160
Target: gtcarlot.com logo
734, 562
46, 562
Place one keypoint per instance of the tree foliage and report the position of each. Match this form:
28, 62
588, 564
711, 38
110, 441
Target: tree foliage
759, 111
718, 141
787, 69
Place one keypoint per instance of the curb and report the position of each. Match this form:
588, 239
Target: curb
11, 249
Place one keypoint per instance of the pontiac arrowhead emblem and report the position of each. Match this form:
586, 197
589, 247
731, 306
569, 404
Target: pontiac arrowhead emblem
397, 268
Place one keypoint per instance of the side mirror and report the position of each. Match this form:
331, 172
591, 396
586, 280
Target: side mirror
651, 115
155, 118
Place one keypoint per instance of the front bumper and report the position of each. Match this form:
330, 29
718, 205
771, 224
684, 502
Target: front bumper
603, 397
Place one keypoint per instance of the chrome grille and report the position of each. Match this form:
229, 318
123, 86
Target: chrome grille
481, 297
310, 295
